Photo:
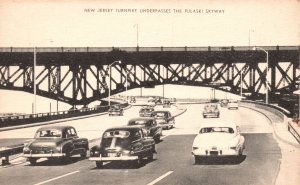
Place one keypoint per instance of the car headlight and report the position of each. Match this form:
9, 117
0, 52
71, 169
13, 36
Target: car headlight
26, 149
58, 149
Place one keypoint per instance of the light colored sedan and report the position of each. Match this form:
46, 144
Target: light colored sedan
218, 140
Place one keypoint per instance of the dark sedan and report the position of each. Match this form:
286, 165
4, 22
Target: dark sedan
115, 110
149, 127
146, 111
59, 142
123, 144
164, 119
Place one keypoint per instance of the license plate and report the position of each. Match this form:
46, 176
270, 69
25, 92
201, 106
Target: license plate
213, 152
111, 154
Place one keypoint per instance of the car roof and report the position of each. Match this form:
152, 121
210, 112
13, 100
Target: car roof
56, 127
142, 118
125, 128
218, 124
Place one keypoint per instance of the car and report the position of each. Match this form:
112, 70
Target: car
149, 127
164, 118
127, 143
166, 103
55, 142
146, 111
115, 110
211, 110
224, 102
132, 99
233, 104
218, 139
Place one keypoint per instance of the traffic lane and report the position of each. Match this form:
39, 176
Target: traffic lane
250, 121
259, 164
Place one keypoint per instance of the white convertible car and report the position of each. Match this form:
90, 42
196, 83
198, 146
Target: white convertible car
218, 139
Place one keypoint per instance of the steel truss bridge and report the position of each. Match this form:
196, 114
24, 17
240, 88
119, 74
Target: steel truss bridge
79, 76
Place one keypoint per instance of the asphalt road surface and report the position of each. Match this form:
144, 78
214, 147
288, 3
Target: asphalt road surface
173, 163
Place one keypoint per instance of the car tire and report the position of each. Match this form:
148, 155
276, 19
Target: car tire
138, 162
150, 157
157, 139
197, 159
83, 154
240, 152
32, 161
99, 164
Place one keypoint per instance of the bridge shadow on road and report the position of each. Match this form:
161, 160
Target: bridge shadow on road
230, 160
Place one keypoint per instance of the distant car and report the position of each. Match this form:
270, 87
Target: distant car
164, 119
233, 104
58, 142
166, 103
115, 110
149, 127
224, 103
132, 100
211, 110
218, 140
123, 144
146, 111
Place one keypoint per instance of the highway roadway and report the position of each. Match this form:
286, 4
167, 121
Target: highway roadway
173, 163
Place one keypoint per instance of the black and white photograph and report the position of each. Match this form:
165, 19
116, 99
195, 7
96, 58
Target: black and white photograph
137, 92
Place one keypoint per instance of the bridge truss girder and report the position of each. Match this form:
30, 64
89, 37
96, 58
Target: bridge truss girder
79, 83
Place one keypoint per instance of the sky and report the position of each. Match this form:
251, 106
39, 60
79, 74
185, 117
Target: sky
71, 23
65, 23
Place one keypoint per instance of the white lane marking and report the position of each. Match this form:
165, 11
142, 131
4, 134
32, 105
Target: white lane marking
160, 178
55, 178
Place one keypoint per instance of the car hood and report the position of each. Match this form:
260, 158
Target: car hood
208, 140
45, 142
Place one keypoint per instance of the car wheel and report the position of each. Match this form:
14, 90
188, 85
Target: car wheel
150, 157
32, 161
138, 162
157, 139
83, 154
197, 159
240, 152
99, 164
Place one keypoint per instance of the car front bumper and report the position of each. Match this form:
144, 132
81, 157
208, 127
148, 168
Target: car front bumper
45, 155
121, 158
211, 114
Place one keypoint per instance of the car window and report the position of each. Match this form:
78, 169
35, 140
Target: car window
73, 132
52, 133
217, 129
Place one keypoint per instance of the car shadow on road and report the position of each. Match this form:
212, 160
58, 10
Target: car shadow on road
57, 162
124, 165
230, 160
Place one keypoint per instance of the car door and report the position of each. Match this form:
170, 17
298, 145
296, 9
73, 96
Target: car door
72, 134
137, 143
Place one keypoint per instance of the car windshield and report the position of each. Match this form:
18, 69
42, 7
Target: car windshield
116, 133
217, 129
49, 133
140, 122
116, 142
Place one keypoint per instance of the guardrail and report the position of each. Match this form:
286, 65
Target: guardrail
5, 152
16, 120
283, 114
